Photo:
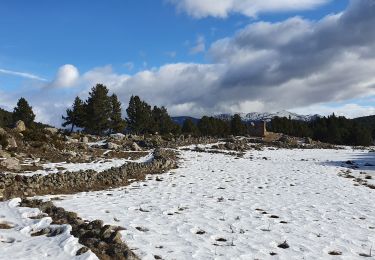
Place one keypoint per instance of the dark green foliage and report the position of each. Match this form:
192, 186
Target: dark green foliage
117, 124
3, 141
139, 116
162, 122
367, 122
35, 134
97, 110
332, 129
75, 115
6, 118
100, 114
237, 127
23, 111
190, 128
144, 120
210, 126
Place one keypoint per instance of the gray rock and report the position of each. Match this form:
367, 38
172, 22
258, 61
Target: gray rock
118, 136
308, 140
4, 154
135, 147
20, 126
11, 164
85, 139
51, 130
11, 142
112, 146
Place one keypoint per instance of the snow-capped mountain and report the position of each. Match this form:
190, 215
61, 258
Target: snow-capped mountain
255, 116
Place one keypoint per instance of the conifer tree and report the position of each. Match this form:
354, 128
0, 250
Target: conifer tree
97, 110
237, 127
75, 116
117, 124
189, 127
23, 111
139, 116
162, 122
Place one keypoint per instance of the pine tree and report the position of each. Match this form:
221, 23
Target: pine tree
23, 111
237, 127
189, 127
97, 110
75, 116
117, 124
139, 119
162, 122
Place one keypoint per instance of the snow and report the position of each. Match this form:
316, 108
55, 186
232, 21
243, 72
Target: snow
242, 208
17, 242
98, 165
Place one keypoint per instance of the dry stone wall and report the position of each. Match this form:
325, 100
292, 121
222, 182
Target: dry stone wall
12, 186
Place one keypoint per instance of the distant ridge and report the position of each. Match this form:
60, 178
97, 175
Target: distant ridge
252, 117
255, 116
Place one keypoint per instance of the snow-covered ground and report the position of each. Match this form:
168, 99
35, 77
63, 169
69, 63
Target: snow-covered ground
216, 206
98, 166
16, 242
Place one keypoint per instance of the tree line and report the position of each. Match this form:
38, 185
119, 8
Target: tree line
102, 114
331, 129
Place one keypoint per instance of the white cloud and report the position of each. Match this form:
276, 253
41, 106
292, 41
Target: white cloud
129, 66
264, 67
66, 77
22, 74
171, 54
200, 45
251, 8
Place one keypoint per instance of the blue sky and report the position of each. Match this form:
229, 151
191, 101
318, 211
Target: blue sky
116, 41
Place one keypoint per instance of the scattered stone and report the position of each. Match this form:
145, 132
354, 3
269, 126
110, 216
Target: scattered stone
335, 252
51, 130
112, 146
283, 245
82, 251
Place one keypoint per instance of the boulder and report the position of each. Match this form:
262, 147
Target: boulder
135, 147
3, 132
85, 139
4, 154
11, 164
11, 142
20, 126
70, 140
112, 146
118, 136
51, 130
308, 140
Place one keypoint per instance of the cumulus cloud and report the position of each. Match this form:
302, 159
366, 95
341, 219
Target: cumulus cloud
251, 8
66, 77
263, 67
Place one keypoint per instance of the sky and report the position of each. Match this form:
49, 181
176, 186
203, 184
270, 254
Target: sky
196, 57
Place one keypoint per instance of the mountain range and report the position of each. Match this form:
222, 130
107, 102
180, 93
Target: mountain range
254, 116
